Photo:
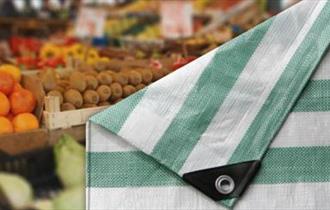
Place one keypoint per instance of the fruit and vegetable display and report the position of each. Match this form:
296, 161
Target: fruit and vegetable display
90, 88
16, 192
36, 54
16, 103
91, 79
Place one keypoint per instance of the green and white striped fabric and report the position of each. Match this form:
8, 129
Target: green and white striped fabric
263, 96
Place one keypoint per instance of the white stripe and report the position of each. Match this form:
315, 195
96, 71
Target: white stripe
323, 71
301, 129
253, 87
304, 129
150, 198
100, 139
160, 104
297, 196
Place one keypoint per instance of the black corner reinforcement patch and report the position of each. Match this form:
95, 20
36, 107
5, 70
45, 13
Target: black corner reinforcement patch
223, 182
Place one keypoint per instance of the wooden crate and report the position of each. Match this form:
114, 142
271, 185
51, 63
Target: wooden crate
77, 132
53, 118
21, 142
18, 143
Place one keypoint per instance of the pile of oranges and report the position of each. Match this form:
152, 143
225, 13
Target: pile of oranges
16, 103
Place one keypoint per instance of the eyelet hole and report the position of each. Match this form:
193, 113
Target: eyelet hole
224, 184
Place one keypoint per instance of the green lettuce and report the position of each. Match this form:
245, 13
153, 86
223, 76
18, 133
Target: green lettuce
70, 161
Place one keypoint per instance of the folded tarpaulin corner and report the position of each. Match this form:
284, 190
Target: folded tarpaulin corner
215, 120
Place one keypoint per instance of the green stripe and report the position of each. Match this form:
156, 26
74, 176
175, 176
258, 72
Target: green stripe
205, 99
114, 117
315, 97
286, 91
290, 165
135, 169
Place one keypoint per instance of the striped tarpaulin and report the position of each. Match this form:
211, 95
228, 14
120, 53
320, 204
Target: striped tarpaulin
262, 96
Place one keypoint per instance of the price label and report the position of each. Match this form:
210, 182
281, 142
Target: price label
90, 22
176, 18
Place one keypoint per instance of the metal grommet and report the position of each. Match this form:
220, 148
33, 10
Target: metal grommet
224, 184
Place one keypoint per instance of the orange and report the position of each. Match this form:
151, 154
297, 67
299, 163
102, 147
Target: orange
5, 126
25, 122
4, 104
13, 70
22, 101
10, 116
6, 83
17, 87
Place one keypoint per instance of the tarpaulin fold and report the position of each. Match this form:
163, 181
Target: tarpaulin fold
229, 106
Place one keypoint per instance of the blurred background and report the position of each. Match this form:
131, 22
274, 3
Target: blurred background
63, 60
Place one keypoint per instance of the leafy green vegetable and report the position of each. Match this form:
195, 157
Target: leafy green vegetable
70, 161
15, 190
73, 199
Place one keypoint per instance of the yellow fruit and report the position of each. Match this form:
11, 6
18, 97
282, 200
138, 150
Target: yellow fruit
4, 105
25, 122
92, 57
13, 70
50, 51
5, 125
78, 50
68, 53
75, 51
93, 54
